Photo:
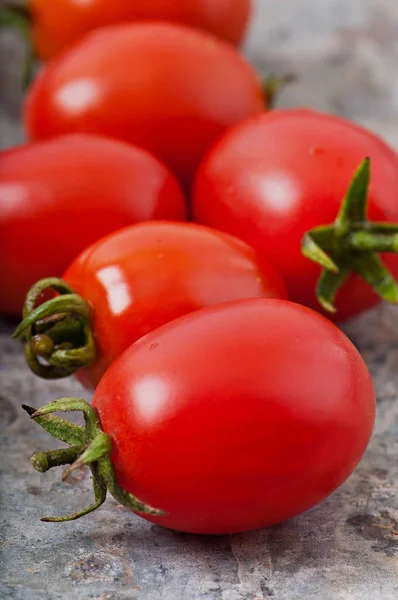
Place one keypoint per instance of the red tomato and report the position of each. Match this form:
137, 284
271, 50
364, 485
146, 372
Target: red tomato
273, 178
146, 275
238, 416
57, 197
166, 88
58, 24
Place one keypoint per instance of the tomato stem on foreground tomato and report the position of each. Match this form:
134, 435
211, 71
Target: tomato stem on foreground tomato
90, 446
351, 244
58, 331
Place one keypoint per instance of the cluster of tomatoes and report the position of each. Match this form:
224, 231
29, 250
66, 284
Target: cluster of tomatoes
196, 232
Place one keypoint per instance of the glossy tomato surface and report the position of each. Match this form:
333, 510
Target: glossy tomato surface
237, 416
166, 88
58, 24
146, 275
273, 178
59, 196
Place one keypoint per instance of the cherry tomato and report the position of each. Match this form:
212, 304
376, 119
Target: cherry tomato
273, 178
57, 25
235, 417
59, 196
166, 88
146, 275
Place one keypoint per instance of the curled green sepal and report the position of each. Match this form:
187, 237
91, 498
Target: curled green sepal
61, 429
328, 284
351, 245
57, 333
88, 445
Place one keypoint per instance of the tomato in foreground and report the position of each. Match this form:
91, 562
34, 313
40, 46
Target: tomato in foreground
58, 24
167, 88
275, 177
59, 196
229, 419
130, 283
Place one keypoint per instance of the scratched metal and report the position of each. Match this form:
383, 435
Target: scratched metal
346, 52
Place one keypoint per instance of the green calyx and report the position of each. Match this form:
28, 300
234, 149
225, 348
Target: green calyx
88, 445
57, 333
18, 17
273, 86
351, 245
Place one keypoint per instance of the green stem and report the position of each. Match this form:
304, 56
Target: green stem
58, 337
19, 18
94, 448
351, 245
273, 85
42, 461
44, 371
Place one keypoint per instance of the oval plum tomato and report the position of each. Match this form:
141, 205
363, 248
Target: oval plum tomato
138, 279
273, 178
57, 25
166, 88
59, 196
232, 418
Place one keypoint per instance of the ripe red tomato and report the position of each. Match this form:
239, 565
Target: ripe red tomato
59, 196
57, 25
237, 416
166, 88
146, 275
273, 178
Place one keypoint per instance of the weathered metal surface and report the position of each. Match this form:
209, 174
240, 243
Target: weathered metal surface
345, 549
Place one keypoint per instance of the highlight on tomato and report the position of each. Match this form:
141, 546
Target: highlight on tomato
130, 283
299, 180
55, 25
59, 196
231, 418
166, 88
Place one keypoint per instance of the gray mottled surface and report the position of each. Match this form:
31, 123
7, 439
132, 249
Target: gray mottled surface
345, 549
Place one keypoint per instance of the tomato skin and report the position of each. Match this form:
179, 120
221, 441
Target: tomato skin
237, 416
58, 196
272, 178
146, 275
181, 90
57, 25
